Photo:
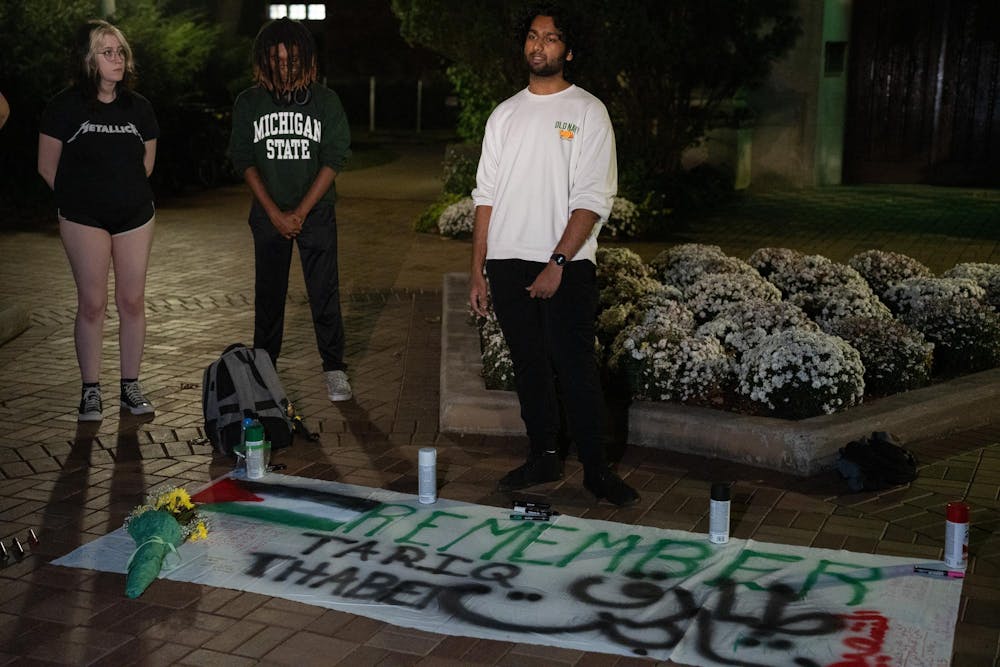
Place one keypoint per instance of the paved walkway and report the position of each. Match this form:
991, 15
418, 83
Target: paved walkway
72, 483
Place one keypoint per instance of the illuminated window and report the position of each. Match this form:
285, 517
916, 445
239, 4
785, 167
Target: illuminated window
313, 12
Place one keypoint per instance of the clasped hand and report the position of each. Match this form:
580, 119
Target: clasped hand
288, 223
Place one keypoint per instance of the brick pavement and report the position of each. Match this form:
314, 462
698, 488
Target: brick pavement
73, 483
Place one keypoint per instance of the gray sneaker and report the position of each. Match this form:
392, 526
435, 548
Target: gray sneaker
338, 388
90, 405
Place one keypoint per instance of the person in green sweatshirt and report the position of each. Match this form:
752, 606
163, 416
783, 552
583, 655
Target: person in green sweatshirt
290, 139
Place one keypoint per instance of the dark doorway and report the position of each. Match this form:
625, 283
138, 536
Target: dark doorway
924, 93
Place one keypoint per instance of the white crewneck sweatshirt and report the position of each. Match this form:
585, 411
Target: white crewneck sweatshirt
543, 157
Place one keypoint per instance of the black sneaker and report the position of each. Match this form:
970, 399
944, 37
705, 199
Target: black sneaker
91, 405
606, 484
134, 401
544, 468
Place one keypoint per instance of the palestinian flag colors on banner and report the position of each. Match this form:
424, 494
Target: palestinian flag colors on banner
310, 509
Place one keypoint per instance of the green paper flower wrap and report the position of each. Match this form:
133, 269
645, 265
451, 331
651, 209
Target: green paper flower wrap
155, 533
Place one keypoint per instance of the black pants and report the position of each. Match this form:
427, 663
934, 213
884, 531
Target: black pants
273, 258
552, 346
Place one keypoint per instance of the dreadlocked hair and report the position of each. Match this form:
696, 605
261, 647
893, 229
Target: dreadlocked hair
291, 83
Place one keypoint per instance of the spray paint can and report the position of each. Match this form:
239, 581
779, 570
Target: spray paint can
718, 514
256, 463
956, 535
427, 475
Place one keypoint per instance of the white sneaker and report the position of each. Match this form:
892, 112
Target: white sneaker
338, 388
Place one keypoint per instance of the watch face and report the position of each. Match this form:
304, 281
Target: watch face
559, 259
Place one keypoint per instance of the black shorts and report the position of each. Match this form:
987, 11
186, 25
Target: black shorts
113, 222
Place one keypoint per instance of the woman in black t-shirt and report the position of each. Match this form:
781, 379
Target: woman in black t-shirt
96, 149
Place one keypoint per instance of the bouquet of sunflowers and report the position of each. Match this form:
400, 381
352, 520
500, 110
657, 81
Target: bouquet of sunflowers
167, 519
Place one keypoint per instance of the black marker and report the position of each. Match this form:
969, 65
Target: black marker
523, 506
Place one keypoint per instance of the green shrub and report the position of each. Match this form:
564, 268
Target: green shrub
428, 220
460, 164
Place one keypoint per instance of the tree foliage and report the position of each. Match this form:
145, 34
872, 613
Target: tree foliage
172, 52
666, 69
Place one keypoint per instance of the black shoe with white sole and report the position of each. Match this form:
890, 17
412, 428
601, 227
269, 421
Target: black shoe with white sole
91, 405
133, 400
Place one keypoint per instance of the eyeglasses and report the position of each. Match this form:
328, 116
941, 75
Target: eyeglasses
113, 54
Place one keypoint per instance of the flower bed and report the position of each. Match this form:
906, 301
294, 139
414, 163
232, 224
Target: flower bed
785, 334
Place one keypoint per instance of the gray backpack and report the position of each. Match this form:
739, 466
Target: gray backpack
243, 383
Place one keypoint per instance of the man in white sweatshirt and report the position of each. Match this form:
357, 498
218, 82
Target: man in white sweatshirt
546, 178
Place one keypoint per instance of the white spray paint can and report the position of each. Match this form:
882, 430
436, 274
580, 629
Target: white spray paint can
718, 514
256, 462
427, 475
956, 535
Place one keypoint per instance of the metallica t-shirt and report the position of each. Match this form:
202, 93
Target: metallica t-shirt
289, 144
101, 165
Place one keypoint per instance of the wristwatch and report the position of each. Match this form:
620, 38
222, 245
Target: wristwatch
559, 259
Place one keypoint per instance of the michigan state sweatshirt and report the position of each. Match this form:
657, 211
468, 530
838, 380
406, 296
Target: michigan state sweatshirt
289, 144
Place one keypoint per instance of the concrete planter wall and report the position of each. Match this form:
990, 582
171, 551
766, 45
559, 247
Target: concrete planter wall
801, 447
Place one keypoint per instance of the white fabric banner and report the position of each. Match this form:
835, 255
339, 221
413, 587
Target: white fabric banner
460, 569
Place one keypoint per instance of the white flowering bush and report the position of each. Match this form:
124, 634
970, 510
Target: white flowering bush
613, 264
663, 363
624, 220
670, 320
661, 301
683, 264
707, 296
743, 325
828, 343
828, 304
457, 219
630, 288
964, 330
810, 273
883, 269
913, 293
799, 374
769, 260
985, 275
498, 369
896, 357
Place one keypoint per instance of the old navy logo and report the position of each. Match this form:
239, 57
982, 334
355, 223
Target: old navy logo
283, 123
86, 127
566, 130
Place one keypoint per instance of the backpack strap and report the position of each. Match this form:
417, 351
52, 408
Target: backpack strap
234, 346
239, 366
259, 363
210, 400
